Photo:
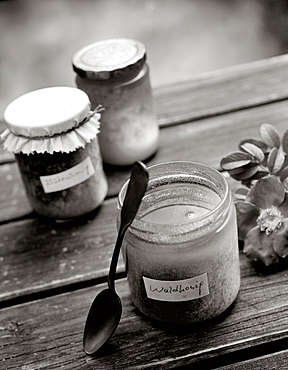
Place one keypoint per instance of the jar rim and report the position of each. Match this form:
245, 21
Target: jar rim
195, 224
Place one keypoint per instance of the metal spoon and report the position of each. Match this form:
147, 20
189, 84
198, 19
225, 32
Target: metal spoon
105, 312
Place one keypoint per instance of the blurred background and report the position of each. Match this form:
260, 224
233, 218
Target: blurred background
183, 37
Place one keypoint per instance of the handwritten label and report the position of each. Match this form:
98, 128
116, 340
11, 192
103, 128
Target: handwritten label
177, 290
66, 179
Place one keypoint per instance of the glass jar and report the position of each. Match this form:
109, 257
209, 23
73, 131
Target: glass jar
181, 251
53, 135
115, 75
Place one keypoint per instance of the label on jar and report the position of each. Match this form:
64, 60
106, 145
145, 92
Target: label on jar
66, 179
177, 290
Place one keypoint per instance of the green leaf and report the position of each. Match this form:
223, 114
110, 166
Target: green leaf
253, 150
275, 160
235, 160
270, 135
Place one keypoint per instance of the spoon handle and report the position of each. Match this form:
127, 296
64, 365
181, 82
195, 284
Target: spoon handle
134, 194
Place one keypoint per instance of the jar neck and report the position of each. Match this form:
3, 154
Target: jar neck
182, 183
129, 77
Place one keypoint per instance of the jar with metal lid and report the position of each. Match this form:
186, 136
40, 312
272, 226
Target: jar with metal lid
181, 251
114, 74
53, 134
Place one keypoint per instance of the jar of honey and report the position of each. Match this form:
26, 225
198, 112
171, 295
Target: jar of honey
181, 250
53, 134
114, 74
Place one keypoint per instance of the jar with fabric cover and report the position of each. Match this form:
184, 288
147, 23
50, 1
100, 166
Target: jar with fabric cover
53, 134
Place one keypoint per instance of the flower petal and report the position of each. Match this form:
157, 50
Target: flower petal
266, 192
258, 246
283, 208
247, 215
280, 242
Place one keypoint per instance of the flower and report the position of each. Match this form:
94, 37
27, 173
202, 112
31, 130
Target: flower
263, 221
262, 206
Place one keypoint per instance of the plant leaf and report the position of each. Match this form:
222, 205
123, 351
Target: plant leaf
275, 160
235, 160
253, 150
284, 173
256, 142
285, 142
240, 193
245, 174
284, 177
258, 175
270, 135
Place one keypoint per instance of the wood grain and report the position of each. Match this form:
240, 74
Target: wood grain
51, 272
274, 361
226, 90
48, 332
33, 242
206, 141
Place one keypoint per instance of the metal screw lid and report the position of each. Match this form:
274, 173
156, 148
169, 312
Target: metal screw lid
110, 59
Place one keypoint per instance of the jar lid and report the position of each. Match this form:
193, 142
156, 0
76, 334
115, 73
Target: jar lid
114, 58
47, 112
54, 119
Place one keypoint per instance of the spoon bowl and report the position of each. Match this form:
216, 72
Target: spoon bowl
103, 319
105, 312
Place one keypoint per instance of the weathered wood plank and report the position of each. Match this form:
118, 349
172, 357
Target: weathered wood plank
217, 92
37, 256
48, 332
274, 361
192, 143
14, 202
224, 90
205, 141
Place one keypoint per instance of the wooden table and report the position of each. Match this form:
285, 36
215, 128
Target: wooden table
51, 273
